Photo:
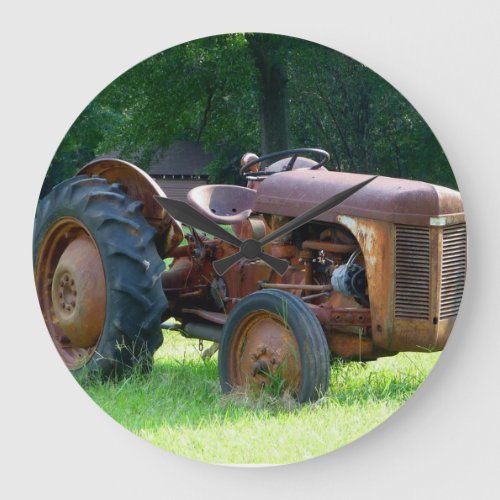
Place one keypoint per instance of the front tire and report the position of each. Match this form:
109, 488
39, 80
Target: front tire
272, 339
97, 274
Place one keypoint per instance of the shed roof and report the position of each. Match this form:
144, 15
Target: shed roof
181, 158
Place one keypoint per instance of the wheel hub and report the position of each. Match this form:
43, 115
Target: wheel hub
267, 353
67, 294
78, 293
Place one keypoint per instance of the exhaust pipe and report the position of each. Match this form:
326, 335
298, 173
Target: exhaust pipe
203, 331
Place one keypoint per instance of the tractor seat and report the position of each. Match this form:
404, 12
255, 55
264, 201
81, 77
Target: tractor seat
222, 203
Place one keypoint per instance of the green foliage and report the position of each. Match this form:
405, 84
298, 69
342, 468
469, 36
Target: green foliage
214, 91
366, 124
81, 144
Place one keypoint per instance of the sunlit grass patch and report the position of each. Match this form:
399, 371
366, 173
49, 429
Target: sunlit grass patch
180, 407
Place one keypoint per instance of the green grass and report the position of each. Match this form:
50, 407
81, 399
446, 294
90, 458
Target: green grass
179, 407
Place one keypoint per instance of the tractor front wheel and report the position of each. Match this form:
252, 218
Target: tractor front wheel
272, 340
97, 275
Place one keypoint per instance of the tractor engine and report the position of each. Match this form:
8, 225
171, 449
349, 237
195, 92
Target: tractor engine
350, 280
326, 271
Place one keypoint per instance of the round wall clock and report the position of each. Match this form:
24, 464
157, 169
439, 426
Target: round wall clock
249, 249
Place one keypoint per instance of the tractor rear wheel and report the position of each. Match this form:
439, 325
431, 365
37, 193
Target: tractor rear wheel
97, 274
271, 339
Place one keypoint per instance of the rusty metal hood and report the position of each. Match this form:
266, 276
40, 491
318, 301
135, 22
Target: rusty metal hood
396, 200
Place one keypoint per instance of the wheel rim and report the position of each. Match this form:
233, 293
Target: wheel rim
264, 352
71, 288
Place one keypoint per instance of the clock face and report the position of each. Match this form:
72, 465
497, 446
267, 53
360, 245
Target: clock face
250, 249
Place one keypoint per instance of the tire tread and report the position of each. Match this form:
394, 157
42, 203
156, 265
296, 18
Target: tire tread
135, 298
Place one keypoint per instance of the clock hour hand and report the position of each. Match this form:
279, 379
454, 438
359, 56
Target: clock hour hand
186, 214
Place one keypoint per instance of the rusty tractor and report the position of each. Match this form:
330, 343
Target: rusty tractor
380, 273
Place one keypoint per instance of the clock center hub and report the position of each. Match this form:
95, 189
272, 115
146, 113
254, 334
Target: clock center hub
250, 249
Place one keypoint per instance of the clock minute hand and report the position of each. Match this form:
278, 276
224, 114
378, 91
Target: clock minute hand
252, 249
186, 214
314, 212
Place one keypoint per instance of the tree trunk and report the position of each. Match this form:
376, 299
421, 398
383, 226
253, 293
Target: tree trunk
273, 103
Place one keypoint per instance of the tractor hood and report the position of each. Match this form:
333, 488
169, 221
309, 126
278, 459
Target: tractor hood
396, 200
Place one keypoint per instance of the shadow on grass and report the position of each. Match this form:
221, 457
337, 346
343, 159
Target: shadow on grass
186, 393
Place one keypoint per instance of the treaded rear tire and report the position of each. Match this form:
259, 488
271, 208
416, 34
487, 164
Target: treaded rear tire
135, 301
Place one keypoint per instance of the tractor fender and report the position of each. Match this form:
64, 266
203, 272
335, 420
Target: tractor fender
138, 185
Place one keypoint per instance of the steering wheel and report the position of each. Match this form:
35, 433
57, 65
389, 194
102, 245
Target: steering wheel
323, 158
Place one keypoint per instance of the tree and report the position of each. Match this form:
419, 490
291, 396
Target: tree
365, 123
81, 144
255, 92
268, 52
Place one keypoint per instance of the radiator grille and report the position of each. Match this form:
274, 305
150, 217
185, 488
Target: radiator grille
453, 269
413, 272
